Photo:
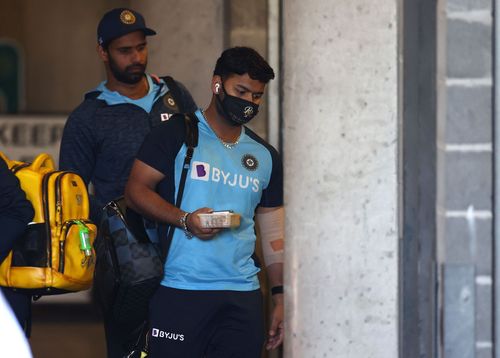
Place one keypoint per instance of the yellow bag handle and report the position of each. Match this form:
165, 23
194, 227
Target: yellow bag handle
43, 160
10, 163
4, 157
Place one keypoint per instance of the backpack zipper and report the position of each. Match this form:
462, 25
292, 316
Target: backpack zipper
17, 167
59, 212
62, 243
110, 246
46, 214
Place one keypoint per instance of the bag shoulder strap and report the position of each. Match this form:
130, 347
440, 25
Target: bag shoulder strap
191, 140
173, 98
191, 123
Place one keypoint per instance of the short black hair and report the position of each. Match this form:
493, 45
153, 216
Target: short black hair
240, 60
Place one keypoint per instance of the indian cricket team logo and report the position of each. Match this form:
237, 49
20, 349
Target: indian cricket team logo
127, 17
248, 111
249, 162
169, 101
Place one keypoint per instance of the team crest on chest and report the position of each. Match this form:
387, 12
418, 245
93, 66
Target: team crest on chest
249, 162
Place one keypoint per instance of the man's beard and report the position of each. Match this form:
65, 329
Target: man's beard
131, 75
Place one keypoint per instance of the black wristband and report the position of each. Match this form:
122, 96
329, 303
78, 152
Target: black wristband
276, 289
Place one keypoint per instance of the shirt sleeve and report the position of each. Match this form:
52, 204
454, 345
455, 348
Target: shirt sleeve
162, 144
78, 146
15, 210
188, 103
78, 150
272, 196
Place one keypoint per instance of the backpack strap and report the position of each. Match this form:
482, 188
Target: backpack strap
173, 98
92, 95
191, 123
191, 140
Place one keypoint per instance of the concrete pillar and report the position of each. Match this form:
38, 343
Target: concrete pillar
341, 178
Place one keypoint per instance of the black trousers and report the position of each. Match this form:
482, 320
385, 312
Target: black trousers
20, 303
120, 337
208, 324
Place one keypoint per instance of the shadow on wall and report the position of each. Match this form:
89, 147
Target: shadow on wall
10, 78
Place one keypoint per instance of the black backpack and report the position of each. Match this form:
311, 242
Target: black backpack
130, 258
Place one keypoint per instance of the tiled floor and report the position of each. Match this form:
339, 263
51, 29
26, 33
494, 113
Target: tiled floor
72, 331
67, 331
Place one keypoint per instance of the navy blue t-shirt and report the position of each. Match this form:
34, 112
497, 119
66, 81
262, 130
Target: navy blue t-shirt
101, 137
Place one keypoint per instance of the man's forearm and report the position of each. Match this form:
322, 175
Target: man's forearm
151, 205
275, 278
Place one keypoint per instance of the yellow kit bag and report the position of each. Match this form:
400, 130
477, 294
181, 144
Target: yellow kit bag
55, 254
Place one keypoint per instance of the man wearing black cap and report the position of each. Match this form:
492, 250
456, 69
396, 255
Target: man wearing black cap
103, 134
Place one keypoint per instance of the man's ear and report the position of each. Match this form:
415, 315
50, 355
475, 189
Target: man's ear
216, 84
103, 54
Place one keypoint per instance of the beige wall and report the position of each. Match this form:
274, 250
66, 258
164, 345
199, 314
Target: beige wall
189, 40
58, 41
10, 17
246, 24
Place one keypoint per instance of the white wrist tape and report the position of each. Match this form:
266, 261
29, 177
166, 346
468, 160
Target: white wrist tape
272, 231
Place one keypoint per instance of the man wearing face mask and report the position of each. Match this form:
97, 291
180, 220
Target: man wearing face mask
102, 135
209, 303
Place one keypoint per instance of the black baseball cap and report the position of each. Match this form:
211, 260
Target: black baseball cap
118, 22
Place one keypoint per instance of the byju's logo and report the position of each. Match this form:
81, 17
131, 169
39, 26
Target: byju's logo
158, 333
165, 116
203, 171
200, 171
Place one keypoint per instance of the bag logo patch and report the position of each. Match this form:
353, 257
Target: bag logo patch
169, 101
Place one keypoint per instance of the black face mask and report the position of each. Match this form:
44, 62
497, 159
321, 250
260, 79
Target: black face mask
236, 110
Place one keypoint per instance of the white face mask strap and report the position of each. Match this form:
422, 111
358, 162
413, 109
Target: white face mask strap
272, 231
